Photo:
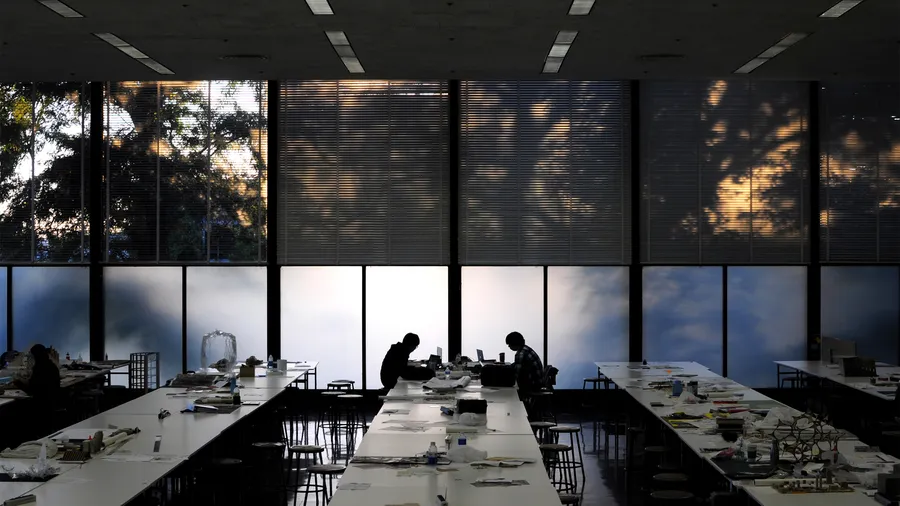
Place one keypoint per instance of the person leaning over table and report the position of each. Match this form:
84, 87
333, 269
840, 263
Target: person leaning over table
396, 363
528, 366
43, 386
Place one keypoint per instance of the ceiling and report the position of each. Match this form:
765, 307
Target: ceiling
448, 39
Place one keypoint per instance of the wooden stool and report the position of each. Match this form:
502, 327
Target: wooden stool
670, 481
671, 497
223, 481
570, 499
341, 385
573, 461
541, 432
554, 456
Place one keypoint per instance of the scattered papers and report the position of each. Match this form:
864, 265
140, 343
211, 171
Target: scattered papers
441, 384
80, 434
397, 411
498, 482
418, 471
354, 486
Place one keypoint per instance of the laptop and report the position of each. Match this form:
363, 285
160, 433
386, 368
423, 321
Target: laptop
480, 355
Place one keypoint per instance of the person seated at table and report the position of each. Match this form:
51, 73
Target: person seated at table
43, 384
396, 363
529, 369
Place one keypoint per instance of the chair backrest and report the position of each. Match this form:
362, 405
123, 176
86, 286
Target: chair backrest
550, 373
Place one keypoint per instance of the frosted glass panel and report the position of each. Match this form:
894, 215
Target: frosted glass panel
683, 315
766, 321
497, 301
587, 320
862, 304
321, 320
143, 313
230, 299
51, 307
401, 300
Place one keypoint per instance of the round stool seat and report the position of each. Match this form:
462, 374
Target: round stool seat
268, 444
655, 449
342, 382
671, 495
350, 396
565, 429
334, 393
326, 469
593, 380
222, 462
542, 425
306, 449
668, 468
569, 498
541, 393
671, 477
554, 447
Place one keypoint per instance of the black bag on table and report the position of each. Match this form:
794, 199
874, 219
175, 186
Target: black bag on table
495, 375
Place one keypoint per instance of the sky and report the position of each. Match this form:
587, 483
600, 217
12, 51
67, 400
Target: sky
587, 313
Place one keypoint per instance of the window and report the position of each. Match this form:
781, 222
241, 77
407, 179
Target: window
683, 315
363, 173
50, 307
724, 171
766, 321
321, 319
43, 156
862, 304
544, 173
587, 320
230, 299
497, 301
860, 172
144, 313
3, 315
401, 300
185, 163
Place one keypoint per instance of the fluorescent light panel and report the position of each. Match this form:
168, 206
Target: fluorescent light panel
840, 8
320, 7
581, 7
134, 52
341, 45
779, 47
60, 8
558, 51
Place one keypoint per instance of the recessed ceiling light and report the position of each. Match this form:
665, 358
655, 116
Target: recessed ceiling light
840, 8
342, 47
320, 7
558, 51
773, 51
60, 8
581, 7
133, 52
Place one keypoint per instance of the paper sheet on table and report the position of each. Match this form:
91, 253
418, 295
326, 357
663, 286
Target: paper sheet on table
498, 463
442, 384
127, 456
688, 409
397, 411
80, 434
354, 486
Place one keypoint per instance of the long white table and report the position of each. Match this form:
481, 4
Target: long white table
633, 378
510, 436
832, 372
102, 482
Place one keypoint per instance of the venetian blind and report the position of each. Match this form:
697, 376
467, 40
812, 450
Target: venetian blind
363, 173
544, 173
724, 168
860, 172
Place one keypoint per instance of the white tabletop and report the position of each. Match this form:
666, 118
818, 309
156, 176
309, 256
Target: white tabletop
514, 438
624, 370
832, 372
694, 439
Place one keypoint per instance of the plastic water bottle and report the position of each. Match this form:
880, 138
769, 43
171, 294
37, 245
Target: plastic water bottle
677, 387
79, 357
432, 454
447, 373
461, 441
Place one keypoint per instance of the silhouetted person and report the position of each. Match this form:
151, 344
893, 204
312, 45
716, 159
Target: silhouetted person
43, 386
529, 369
396, 363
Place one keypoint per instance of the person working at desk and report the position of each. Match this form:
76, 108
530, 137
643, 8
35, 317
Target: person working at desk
529, 369
43, 384
396, 363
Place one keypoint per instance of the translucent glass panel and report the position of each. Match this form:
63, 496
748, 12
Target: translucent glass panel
766, 321
862, 304
683, 315
401, 300
497, 301
230, 299
587, 320
143, 313
51, 307
321, 319
3, 315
